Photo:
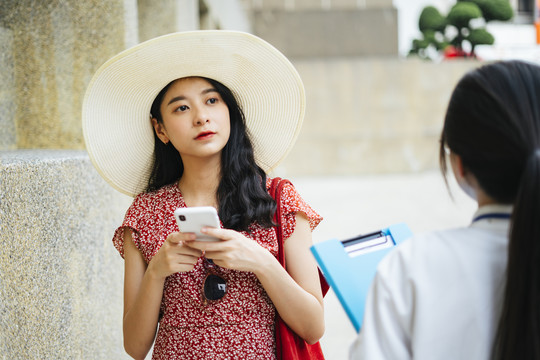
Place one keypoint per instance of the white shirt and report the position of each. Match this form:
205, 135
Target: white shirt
437, 295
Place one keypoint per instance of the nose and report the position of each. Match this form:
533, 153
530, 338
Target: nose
201, 116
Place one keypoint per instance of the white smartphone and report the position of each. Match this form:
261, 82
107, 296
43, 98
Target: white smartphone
192, 219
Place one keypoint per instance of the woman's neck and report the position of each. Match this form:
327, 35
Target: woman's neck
199, 183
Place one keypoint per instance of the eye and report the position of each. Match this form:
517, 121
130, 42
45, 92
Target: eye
212, 101
182, 108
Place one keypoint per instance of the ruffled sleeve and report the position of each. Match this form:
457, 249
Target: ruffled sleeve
132, 221
291, 203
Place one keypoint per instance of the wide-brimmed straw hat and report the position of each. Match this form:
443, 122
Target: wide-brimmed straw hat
116, 108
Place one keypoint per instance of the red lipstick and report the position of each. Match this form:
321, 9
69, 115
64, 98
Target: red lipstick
204, 135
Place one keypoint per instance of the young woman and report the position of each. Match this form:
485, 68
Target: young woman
473, 292
205, 153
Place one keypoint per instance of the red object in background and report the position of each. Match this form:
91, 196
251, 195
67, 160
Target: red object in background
452, 52
537, 25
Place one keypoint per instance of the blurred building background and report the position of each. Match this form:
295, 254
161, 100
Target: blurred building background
370, 110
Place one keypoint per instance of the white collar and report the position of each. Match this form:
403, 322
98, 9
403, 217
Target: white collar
497, 210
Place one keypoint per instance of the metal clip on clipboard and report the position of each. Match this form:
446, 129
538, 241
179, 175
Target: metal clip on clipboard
350, 265
364, 244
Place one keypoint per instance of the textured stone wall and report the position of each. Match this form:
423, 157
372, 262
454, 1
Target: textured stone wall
56, 47
333, 32
60, 277
372, 115
157, 18
8, 139
327, 28
317, 4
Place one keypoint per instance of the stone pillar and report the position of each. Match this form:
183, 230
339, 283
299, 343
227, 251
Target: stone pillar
60, 277
166, 16
56, 48
8, 138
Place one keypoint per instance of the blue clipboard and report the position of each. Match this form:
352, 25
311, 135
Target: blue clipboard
350, 265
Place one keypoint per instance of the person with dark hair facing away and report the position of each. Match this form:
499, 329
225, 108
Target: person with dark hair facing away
472, 292
198, 119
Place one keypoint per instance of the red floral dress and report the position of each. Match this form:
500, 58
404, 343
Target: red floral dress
238, 326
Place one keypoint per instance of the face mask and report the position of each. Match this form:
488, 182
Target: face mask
468, 189
463, 184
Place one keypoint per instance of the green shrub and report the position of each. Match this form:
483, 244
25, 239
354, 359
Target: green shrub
431, 19
462, 13
480, 37
500, 10
433, 26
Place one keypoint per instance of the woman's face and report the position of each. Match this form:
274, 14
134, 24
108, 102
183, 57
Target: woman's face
195, 119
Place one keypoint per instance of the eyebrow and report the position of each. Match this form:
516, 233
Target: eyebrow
180, 98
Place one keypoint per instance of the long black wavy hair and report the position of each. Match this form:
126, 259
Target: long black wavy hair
241, 194
493, 124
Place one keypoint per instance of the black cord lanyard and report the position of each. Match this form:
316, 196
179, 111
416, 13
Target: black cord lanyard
492, 216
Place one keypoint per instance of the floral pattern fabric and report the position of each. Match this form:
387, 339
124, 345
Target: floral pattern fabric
238, 326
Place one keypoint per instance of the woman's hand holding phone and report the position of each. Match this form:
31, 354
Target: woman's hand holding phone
174, 256
234, 250
227, 248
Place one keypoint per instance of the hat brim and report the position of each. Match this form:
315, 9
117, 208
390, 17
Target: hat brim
116, 107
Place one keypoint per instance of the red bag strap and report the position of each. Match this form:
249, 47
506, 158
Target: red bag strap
276, 188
